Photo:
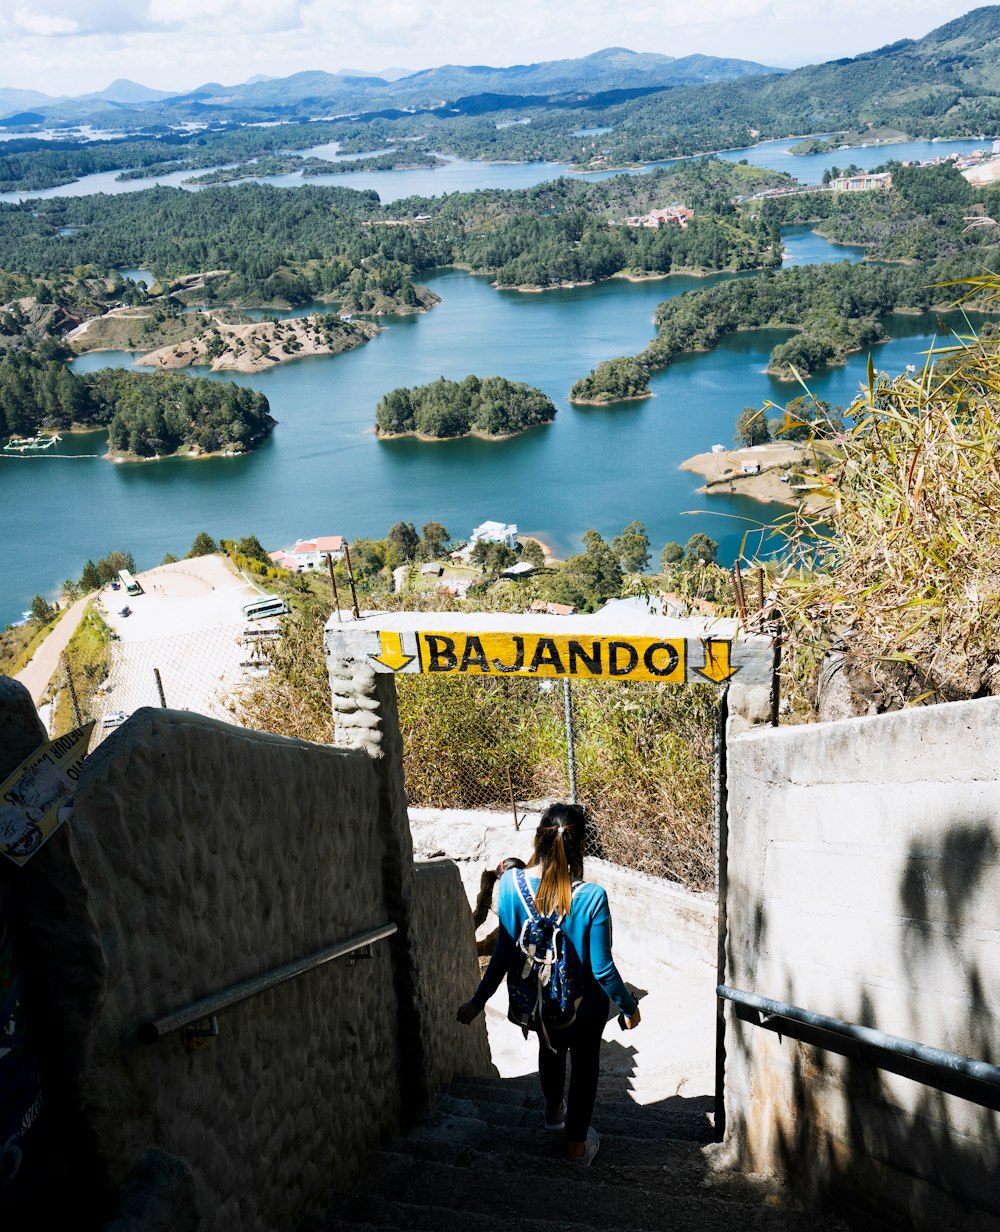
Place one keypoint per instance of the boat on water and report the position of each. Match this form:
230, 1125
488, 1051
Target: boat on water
21, 444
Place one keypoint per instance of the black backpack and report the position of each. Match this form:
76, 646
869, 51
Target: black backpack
545, 981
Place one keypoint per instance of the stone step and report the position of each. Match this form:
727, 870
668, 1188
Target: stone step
402, 1217
610, 1093
671, 1166
610, 1117
459, 1131
509, 1215
561, 1192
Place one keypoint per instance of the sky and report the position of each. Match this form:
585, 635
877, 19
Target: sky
75, 46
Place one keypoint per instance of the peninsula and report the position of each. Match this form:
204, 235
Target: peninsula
259, 345
777, 473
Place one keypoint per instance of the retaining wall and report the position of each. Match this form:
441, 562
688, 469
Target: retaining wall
863, 884
200, 854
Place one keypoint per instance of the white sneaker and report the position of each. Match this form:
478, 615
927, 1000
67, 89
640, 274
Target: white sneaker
560, 1118
590, 1149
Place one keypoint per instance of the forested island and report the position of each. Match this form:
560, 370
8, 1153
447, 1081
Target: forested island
491, 406
933, 226
147, 415
298, 164
614, 380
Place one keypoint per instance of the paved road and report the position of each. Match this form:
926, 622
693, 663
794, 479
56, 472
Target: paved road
36, 676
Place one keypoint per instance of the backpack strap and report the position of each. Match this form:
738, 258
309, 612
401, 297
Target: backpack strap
524, 893
528, 899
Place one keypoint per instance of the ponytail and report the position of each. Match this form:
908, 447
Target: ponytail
559, 851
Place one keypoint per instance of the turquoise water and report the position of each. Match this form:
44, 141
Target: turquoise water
324, 472
463, 175
809, 168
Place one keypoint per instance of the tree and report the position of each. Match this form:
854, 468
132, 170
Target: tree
671, 554
70, 590
368, 557
404, 538
700, 548
169, 559
90, 578
498, 556
590, 579
41, 610
435, 540
532, 550
252, 547
751, 427
631, 548
109, 567
203, 545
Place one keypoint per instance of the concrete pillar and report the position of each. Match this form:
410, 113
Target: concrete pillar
366, 718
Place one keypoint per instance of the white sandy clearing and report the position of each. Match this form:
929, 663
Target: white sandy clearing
188, 625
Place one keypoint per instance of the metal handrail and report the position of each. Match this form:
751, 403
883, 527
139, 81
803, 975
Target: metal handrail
980, 1071
207, 1007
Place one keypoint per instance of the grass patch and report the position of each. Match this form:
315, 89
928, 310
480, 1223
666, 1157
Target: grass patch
89, 657
18, 644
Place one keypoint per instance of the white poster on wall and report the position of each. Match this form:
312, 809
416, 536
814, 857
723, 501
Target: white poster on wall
38, 797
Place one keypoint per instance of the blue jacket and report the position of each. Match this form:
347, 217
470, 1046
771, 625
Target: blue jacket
587, 928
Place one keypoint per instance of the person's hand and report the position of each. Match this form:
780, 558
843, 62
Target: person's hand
467, 1012
633, 1020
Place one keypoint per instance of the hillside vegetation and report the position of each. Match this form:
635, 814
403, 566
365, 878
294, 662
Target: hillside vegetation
903, 565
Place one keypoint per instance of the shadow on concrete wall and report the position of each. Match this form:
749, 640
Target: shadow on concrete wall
890, 1141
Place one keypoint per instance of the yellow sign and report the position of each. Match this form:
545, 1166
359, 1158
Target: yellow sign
38, 797
390, 653
535, 654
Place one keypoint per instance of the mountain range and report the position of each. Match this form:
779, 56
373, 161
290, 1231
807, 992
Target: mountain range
946, 83
316, 92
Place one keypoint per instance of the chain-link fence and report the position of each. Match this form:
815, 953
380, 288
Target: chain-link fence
637, 755
202, 671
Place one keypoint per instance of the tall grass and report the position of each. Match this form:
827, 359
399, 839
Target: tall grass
905, 561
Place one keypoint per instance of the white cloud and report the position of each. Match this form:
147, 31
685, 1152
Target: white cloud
45, 24
67, 46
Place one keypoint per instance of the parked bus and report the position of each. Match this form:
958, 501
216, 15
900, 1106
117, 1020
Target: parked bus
132, 587
268, 605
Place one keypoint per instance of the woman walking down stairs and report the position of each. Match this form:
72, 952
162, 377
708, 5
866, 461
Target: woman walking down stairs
482, 1162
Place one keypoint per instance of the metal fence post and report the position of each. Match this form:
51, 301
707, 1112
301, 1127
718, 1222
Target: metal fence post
570, 751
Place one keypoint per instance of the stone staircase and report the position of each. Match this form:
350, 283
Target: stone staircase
481, 1162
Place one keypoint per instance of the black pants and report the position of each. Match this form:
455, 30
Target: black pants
582, 1040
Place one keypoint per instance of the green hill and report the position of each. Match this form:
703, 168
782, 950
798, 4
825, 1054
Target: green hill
947, 83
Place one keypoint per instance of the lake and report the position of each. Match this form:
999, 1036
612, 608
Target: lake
464, 175
324, 472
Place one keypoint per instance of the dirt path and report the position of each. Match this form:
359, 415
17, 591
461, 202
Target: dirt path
36, 676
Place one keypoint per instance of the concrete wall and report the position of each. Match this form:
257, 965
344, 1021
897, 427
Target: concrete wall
863, 884
200, 854
655, 920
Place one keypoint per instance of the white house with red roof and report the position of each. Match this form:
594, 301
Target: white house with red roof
309, 553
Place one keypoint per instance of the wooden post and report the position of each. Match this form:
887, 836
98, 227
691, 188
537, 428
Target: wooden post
159, 687
513, 802
350, 578
333, 583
